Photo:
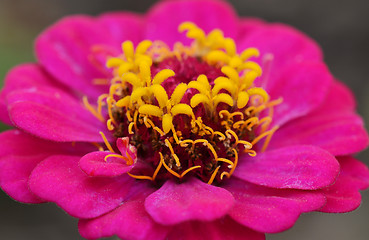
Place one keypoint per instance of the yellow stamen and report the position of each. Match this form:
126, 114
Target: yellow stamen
107, 144
174, 155
92, 109
213, 175
157, 170
140, 177
189, 170
168, 168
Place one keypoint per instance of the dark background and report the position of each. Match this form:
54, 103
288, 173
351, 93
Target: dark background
340, 27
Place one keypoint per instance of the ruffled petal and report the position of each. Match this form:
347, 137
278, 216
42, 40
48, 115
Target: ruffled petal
222, 229
303, 87
129, 221
270, 210
343, 195
94, 164
67, 49
163, 20
59, 179
192, 200
279, 45
299, 167
22, 77
19, 155
333, 126
52, 114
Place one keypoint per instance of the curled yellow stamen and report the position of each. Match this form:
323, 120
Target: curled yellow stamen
213, 175
174, 155
189, 170
168, 168
140, 177
107, 144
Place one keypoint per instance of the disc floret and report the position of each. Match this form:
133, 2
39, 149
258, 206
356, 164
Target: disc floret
205, 125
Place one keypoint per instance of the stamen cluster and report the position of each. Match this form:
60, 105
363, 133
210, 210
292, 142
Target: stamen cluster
184, 124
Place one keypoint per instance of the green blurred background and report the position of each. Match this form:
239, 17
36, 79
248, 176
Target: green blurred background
340, 27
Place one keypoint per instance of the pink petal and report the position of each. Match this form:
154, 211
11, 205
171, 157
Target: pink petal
66, 49
279, 45
164, 18
128, 221
192, 200
52, 114
343, 195
270, 210
94, 164
22, 77
338, 133
303, 87
59, 179
19, 155
222, 229
330, 127
299, 167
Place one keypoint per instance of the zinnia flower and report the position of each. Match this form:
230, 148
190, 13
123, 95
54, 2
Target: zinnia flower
186, 123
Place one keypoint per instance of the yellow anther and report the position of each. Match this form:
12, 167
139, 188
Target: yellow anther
160, 95
259, 91
223, 113
140, 177
130, 128
199, 86
189, 170
145, 73
151, 110
218, 56
242, 99
252, 66
163, 75
230, 46
128, 49
167, 123
143, 46
199, 98
211, 148
222, 137
168, 168
213, 175
132, 79
178, 93
111, 102
124, 102
246, 144
226, 85
147, 122
174, 155
230, 133
231, 73
223, 98
182, 109
100, 102
249, 52
252, 153
114, 62
157, 170
107, 144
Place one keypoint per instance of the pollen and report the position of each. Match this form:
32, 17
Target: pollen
189, 111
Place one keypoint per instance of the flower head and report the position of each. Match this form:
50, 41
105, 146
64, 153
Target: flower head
175, 126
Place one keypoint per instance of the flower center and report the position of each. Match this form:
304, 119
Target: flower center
190, 110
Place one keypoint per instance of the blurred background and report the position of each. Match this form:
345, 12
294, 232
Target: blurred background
340, 27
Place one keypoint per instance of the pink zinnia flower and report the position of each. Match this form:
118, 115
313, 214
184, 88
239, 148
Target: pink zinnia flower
228, 133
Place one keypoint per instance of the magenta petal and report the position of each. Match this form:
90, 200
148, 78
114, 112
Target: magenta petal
299, 167
192, 200
303, 87
59, 179
222, 229
270, 210
343, 195
128, 221
279, 45
94, 164
19, 155
52, 114
22, 77
163, 20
